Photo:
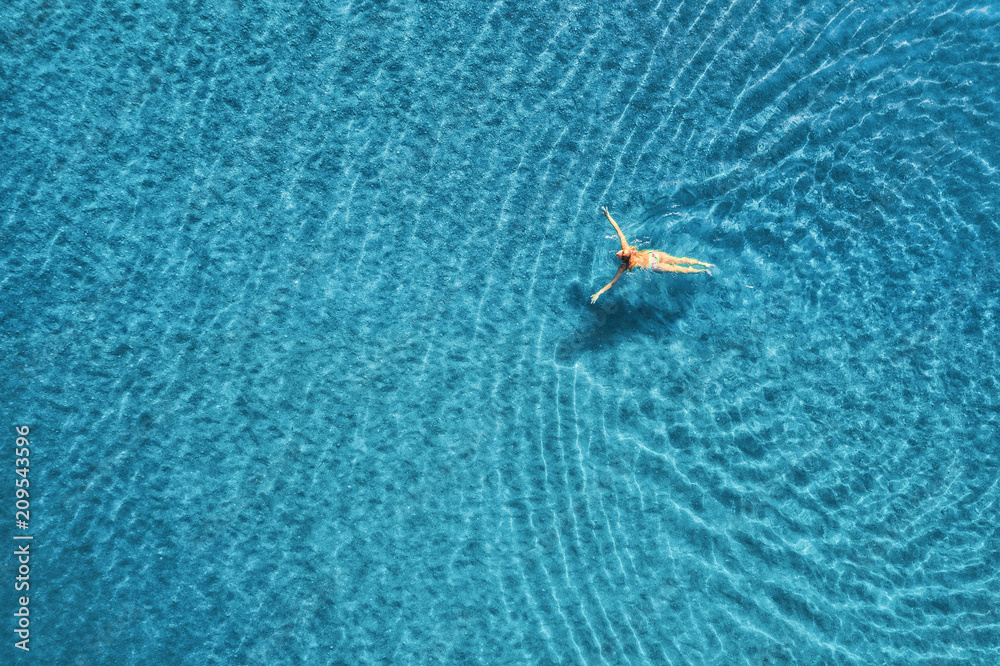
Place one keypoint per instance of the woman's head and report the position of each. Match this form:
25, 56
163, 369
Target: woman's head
624, 255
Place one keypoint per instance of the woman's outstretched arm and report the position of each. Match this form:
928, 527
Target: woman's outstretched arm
621, 269
615, 225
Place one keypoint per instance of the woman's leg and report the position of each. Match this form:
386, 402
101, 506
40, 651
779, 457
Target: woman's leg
673, 268
664, 258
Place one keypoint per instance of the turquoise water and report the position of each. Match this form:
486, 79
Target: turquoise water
295, 301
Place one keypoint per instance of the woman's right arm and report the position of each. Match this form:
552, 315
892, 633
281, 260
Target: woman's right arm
621, 269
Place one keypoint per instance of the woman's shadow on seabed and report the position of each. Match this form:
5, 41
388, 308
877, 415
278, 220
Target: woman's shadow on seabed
654, 314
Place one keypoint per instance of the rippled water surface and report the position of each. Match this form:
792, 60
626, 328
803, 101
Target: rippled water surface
295, 301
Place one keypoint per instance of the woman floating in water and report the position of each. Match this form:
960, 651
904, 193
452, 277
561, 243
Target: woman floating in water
654, 260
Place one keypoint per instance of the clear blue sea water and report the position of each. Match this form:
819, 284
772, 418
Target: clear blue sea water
295, 301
